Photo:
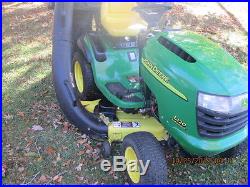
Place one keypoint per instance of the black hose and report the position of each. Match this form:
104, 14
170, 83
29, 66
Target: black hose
61, 69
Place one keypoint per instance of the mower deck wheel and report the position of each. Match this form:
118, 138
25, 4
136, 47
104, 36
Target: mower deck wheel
106, 149
144, 147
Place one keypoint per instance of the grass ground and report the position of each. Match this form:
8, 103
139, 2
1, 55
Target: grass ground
57, 152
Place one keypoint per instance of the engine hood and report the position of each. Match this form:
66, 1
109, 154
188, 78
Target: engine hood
214, 70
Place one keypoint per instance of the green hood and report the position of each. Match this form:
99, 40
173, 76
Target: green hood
215, 71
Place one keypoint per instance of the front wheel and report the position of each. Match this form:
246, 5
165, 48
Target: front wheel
143, 147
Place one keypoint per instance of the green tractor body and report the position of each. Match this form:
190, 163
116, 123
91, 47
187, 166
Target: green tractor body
171, 83
176, 66
113, 70
205, 67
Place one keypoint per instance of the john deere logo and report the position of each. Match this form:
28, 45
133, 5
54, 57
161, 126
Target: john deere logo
244, 102
156, 71
161, 77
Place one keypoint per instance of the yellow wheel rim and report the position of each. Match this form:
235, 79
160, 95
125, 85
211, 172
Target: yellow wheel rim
132, 169
78, 76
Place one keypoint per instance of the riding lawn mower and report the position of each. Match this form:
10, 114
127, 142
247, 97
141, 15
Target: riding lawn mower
121, 77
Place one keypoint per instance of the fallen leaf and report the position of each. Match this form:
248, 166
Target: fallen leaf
7, 116
54, 162
202, 168
29, 143
64, 147
79, 178
58, 158
43, 179
31, 154
55, 126
79, 167
84, 136
66, 127
50, 150
57, 178
66, 163
4, 170
88, 146
88, 151
40, 159
37, 128
21, 169
81, 153
242, 180
82, 141
21, 114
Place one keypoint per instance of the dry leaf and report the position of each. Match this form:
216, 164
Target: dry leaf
40, 159
202, 168
55, 126
58, 158
66, 127
7, 116
50, 150
31, 154
82, 141
4, 170
242, 181
79, 167
43, 179
21, 114
84, 136
57, 179
88, 146
88, 151
66, 163
79, 178
37, 128
81, 153
21, 169
64, 147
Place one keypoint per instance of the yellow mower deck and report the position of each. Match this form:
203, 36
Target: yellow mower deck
117, 132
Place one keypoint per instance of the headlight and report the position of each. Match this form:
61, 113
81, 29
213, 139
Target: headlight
223, 104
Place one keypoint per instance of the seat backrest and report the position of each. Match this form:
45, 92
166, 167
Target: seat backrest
118, 8
120, 20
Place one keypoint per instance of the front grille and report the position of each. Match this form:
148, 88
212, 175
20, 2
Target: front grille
216, 125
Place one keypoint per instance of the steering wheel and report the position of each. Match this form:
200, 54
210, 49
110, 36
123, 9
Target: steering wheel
152, 12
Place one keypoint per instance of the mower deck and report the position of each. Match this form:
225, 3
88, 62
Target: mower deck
130, 123
127, 123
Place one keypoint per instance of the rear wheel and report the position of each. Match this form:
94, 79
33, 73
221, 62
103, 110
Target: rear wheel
144, 146
83, 78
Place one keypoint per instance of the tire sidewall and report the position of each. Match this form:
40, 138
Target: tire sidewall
151, 170
126, 144
78, 57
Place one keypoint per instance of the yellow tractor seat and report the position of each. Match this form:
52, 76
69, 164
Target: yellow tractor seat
118, 19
